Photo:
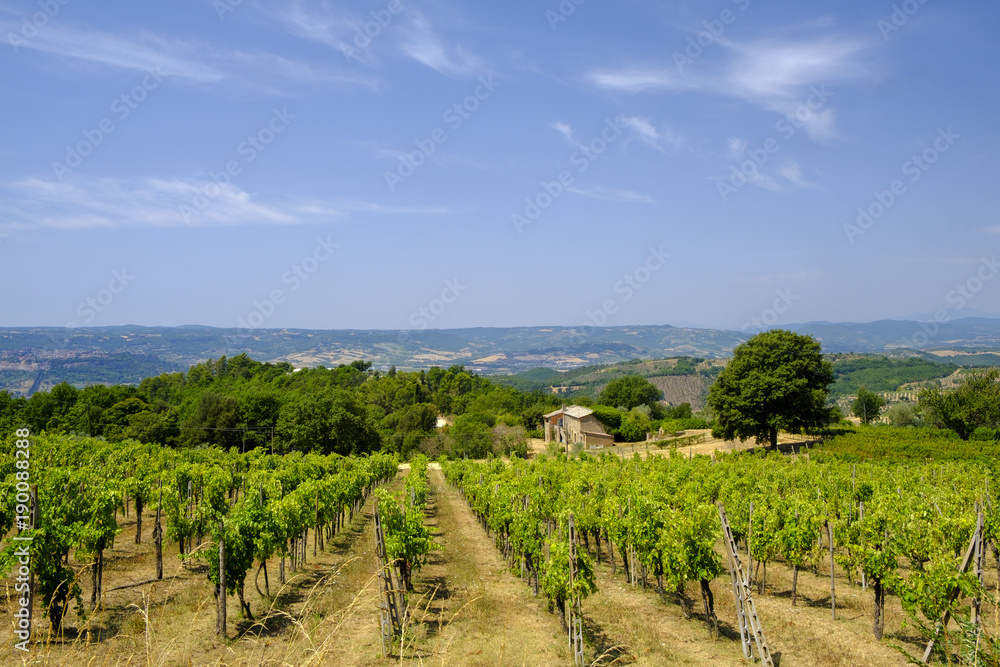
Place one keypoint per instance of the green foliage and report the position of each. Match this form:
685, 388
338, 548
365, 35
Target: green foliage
82, 483
974, 403
407, 539
983, 434
510, 441
879, 373
682, 411
610, 417
333, 422
777, 380
241, 403
555, 581
884, 443
867, 406
630, 392
635, 426
902, 415
663, 509
471, 436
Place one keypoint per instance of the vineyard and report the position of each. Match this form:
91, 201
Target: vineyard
149, 554
224, 512
886, 527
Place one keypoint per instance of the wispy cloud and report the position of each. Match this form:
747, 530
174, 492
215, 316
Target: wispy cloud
155, 202
638, 80
566, 130
645, 131
195, 62
612, 194
793, 174
423, 44
325, 25
736, 147
173, 58
772, 74
784, 277
319, 24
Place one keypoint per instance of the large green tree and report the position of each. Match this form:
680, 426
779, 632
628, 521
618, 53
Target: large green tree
331, 422
471, 436
775, 381
974, 403
867, 405
630, 392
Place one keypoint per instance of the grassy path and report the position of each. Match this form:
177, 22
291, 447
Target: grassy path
468, 610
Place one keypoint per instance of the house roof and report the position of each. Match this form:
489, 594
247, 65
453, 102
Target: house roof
576, 411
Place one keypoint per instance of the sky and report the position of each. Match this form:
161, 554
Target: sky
404, 165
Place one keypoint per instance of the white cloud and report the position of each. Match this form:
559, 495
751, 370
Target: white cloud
793, 174
200, 63
736, 147
661, 140
334, 28
155, 202
637, 80
772, 74
424, 45
612, 194
567, 131
149, 52
784, 277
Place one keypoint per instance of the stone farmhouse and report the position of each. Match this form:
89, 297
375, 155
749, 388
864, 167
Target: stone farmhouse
576, 424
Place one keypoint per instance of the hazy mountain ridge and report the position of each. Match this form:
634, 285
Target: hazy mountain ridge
39, 357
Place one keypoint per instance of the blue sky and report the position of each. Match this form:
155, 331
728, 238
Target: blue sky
395, 164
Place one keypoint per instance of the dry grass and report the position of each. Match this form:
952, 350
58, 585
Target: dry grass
466, 609
475, 612
171, 622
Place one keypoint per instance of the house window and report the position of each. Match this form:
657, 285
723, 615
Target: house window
560, 422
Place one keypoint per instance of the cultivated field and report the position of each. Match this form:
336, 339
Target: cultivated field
466, 609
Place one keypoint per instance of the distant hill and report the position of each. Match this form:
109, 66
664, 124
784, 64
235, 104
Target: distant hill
887, 335
33, 358
37, 358
687, 380
682, 380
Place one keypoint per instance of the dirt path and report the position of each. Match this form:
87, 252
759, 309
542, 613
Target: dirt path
468, 609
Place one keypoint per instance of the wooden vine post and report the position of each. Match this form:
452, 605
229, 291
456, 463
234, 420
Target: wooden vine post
158, 535
575, 618
978, 563
36, 522
833, 590
861, 518
220, 616
750, 555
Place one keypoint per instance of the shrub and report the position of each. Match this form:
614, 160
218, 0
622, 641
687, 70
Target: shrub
674, 425
510, 441
635, 426
610, 417
985, 434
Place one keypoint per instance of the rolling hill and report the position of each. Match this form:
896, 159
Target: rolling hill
40, 357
